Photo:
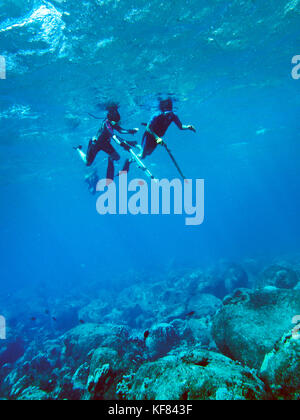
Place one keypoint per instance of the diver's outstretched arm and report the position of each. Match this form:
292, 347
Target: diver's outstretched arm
124, 131
183, 127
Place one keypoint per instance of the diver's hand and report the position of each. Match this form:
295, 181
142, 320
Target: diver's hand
159, 141
134, 131
192, 128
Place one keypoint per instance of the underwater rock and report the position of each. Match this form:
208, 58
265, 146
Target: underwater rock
66, 391
134, 316
82, 340
106, 366
12, 352
162, 338
142, 294
66, 317
227, 277
281, 369
168, 313
94, 312
4, 372
250, 322
100, 379
30, 372
192, 375
80, 378
14, 384
183, 331
188, 284
278, 276
203, 305
72, 367
40, 368
33, 393
141, 306
142, 302
201, 331
41, 365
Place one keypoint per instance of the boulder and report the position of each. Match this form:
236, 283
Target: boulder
162, 338
33, 393
80, 378
201, 331
225, 278
281, 368
194, 375
84, 339
279, 276
94, 312
203, 305
249, 323
106, 366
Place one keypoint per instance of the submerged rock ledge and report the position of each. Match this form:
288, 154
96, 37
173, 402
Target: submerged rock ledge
166, 339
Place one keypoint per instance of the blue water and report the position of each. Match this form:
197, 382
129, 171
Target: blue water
227, 65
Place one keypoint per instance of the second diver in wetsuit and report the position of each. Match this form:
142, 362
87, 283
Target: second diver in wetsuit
158, 127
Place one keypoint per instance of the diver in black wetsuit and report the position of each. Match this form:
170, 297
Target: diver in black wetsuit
159, 125
157, 128
103, 141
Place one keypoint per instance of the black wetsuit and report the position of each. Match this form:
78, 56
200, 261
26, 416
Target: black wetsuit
158, 125
103, 143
